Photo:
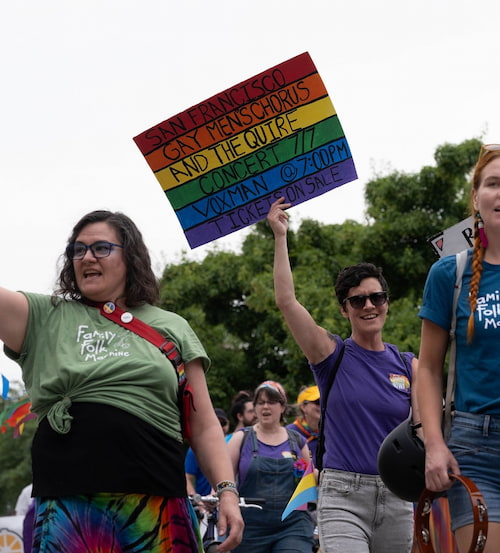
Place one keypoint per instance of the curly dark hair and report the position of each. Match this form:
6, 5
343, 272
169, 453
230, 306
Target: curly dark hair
141, 283
352, 276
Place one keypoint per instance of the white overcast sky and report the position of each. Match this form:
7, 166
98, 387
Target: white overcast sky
80, 79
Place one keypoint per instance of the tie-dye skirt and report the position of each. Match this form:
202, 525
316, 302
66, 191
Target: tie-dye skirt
115, 523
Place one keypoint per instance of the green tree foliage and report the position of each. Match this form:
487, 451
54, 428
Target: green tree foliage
229, 299
15, 461
405, 210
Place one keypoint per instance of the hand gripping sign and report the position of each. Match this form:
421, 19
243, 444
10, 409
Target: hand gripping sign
223, 162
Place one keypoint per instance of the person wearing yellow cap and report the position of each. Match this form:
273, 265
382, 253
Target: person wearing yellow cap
307, 423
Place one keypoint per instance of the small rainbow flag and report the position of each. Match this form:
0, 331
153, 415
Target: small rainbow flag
304, 493
16, 416
5, 387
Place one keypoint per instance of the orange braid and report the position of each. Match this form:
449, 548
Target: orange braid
486, 155
477, 269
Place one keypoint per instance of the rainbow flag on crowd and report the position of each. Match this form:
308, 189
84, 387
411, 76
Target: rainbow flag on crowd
15, 416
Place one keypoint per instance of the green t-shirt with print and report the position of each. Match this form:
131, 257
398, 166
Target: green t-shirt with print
71, 353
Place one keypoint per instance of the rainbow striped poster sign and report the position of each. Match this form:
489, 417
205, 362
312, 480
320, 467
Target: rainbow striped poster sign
224, 161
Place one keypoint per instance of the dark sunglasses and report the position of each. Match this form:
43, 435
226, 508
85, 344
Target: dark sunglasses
358, 302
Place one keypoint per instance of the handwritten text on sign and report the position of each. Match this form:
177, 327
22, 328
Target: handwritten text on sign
224, 161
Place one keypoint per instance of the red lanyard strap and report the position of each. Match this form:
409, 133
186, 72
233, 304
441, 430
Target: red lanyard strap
128, 321
479, 509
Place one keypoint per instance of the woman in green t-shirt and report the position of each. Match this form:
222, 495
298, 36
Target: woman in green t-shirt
108, 453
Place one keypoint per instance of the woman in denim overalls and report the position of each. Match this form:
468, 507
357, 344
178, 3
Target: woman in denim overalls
372, 394
264, 457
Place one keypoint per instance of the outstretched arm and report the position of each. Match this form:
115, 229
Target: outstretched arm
13, 318
312, 339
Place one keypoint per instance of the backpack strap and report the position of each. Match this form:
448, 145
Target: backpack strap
249, 432
293, 438
461, 262
320, 451
414, 425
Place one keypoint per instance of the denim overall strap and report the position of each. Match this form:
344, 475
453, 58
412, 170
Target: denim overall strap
293, 438
269, 478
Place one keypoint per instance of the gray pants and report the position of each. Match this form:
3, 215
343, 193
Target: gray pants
358, 514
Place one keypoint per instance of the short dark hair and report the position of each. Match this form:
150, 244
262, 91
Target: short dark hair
141, 283
238, 405
352, 276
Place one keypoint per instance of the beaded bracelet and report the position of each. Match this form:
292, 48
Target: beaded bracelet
226, 486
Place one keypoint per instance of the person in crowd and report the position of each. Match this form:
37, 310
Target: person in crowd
370, 396
473, 448
242, 411
25, 507
23, 500
107, 456
269, 460
196, 481
307, 423
28, 524
223, 420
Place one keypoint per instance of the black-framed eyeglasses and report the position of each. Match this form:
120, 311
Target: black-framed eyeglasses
358, 302
315, 402
99, 249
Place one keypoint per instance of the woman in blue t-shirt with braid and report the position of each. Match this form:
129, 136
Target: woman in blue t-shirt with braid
473, 448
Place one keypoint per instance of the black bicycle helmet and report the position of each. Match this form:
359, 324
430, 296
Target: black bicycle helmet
401, 462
